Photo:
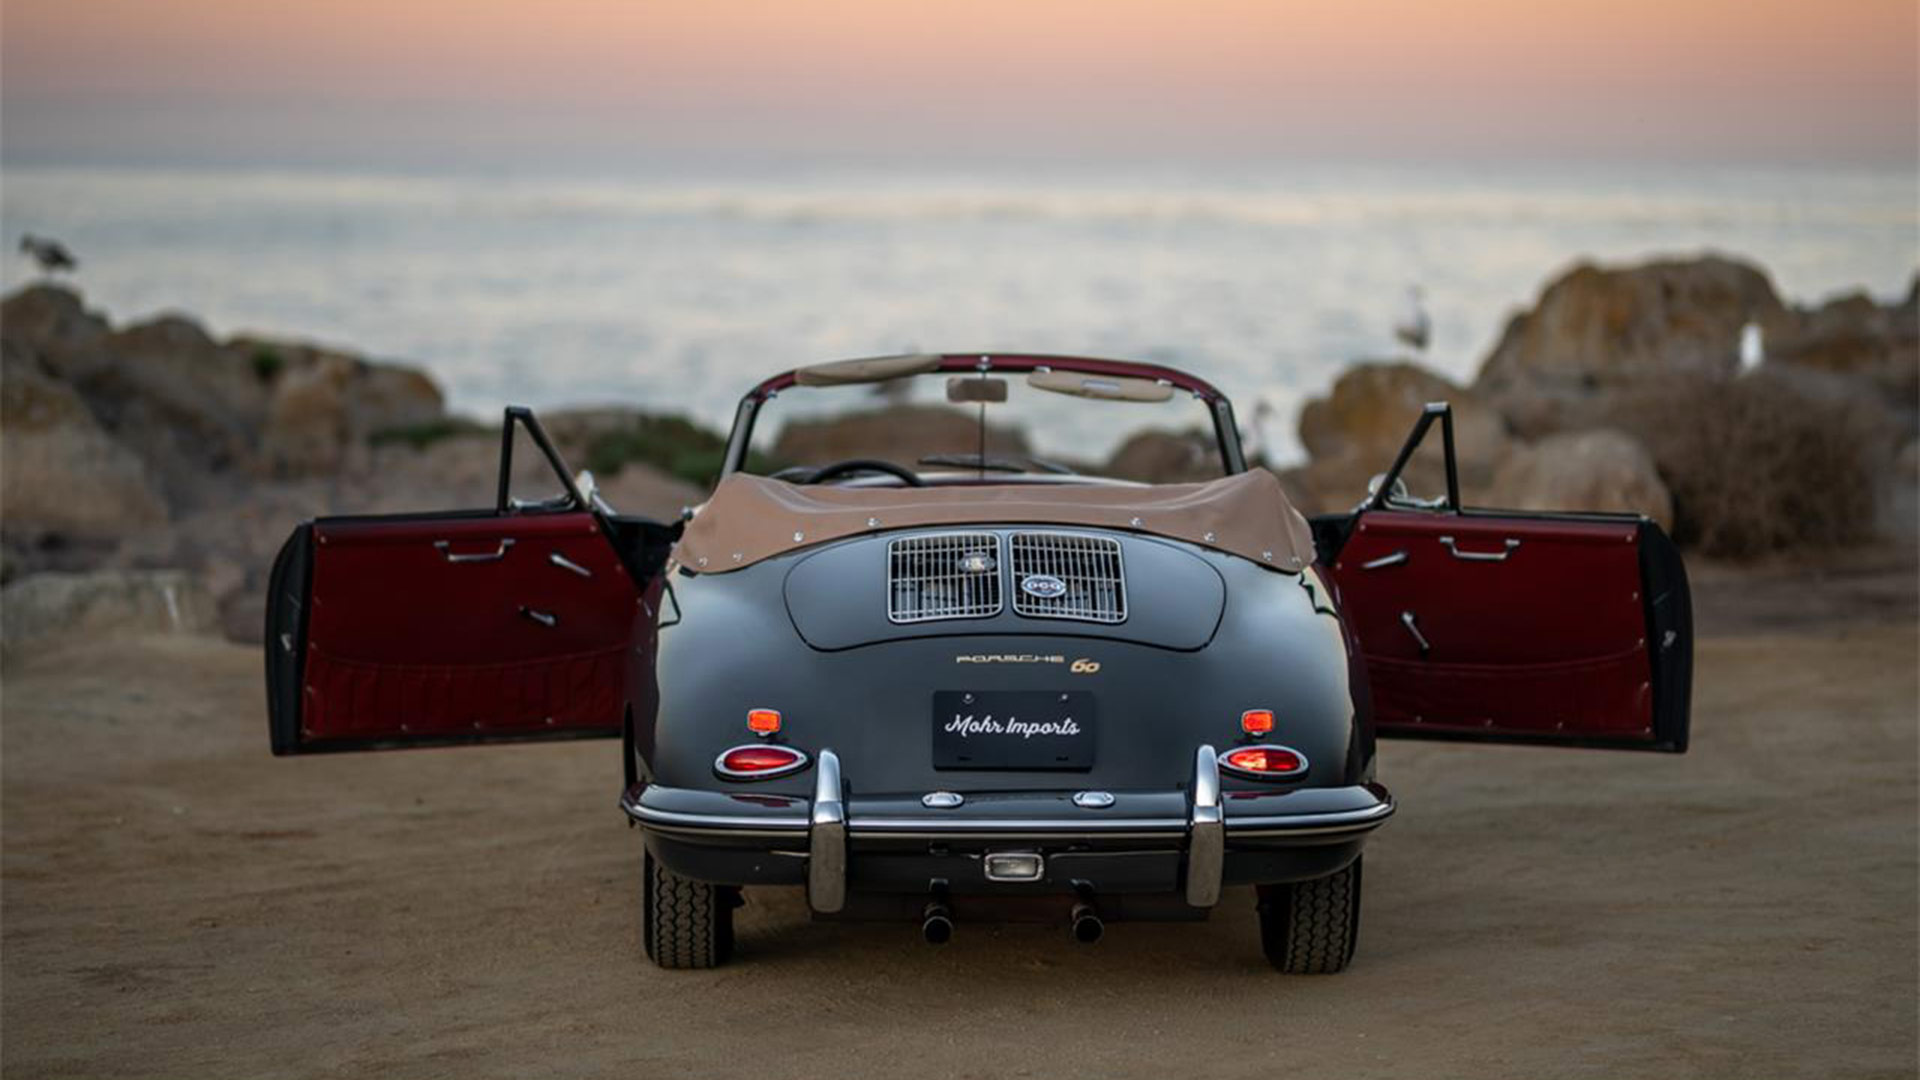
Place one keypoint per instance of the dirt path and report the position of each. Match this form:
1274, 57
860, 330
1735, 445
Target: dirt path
179, 904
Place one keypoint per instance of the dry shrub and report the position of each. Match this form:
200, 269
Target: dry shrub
1761, 463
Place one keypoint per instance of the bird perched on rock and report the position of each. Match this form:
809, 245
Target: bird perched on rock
1414, 327
51, 255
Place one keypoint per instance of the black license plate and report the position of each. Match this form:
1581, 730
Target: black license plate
1012, 729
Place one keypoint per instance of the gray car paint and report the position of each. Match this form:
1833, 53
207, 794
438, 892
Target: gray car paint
734, 648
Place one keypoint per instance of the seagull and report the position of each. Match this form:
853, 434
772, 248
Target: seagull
52, 255
1414, 327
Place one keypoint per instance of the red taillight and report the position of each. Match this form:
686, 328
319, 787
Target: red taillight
1257, 721
763, 721
1272, 762
759, 761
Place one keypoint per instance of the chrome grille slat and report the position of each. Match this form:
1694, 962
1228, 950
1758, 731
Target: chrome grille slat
926, 579
1088, 565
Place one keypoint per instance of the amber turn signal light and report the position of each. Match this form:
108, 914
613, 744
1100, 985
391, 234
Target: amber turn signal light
1257, 721
1265, 762
763, 721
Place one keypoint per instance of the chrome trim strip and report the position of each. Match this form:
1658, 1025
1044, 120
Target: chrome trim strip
666, 819
1271, 825
1207, 833
1308, 824
1385, 561
1002, 825
828, 815
827, 838
1032, 836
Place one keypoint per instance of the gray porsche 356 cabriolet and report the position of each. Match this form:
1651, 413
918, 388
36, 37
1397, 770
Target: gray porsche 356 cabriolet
903, 662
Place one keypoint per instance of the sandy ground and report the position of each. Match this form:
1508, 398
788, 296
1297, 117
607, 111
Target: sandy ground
177, 903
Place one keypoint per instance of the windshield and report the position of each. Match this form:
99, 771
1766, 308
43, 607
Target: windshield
932, 424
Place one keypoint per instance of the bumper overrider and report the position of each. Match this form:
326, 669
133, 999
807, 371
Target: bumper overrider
1193, 841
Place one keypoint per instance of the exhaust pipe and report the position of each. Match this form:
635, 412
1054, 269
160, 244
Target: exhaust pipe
936, 923
1087, 924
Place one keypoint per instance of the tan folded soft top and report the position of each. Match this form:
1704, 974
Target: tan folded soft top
750, 518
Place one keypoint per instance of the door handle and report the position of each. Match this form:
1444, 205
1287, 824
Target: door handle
446, 549
1413, 627
1385, 561
1480, 556
545, 619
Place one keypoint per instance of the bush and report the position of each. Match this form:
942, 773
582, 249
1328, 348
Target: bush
1757, 464
672, 444
267, 363
420, 436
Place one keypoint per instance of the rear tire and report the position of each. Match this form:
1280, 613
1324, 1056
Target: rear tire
684, 923
1312, 927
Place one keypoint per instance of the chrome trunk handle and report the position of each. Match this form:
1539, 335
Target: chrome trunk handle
546, 619
446, 549
1480, 556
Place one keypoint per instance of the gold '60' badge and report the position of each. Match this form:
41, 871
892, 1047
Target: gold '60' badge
1084, 666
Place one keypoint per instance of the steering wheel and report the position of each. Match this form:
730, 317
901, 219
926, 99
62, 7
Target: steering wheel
857, 465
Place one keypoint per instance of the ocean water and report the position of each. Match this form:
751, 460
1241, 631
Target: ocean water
678, 291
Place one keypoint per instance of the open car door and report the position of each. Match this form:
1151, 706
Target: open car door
528, 621
1510, 626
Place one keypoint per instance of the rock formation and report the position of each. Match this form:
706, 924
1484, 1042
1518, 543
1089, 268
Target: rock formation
1602, 469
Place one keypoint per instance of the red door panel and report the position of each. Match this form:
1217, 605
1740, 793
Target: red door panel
1501, 626
435, 628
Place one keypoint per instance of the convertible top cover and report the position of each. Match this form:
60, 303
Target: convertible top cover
751, 518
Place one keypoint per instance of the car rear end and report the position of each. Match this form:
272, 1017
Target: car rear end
1014, 720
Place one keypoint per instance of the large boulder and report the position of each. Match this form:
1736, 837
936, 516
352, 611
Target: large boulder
49, 318
1373, 406
305, 432
63, 480
326, 404
165, 389
900, 434
1356, 430
1851, 335
1156, 456
46, 609
1597, 329
1602, 469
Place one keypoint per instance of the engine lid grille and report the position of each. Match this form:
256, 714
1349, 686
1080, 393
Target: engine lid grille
943, 576
1068, 576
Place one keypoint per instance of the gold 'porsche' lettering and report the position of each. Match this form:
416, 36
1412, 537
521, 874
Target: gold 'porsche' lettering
1008, 658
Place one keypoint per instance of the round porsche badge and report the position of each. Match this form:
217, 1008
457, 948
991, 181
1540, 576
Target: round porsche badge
1043, 586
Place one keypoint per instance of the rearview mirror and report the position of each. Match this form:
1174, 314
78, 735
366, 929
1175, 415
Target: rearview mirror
1398, 493
968, 389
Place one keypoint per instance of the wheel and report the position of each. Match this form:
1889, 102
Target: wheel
1311, 927
685, 923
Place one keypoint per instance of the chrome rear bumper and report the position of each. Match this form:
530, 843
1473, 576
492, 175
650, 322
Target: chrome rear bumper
1202, 822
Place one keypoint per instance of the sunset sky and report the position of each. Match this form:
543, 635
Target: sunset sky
368, 80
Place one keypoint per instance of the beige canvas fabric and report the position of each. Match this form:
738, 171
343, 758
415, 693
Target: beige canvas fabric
751, 518
1102, 387
869, 369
